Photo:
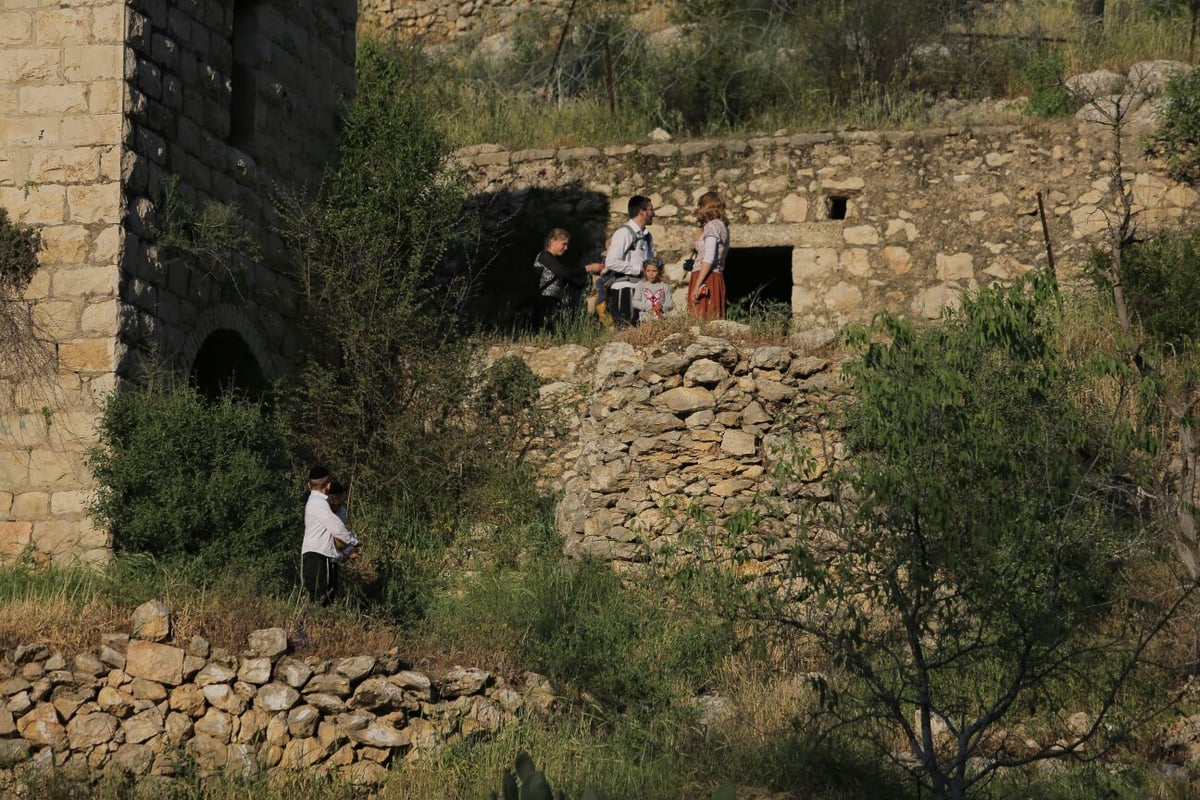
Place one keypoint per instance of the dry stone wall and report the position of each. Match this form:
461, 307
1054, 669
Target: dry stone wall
147, 706
672, 440
486, 23
439, 21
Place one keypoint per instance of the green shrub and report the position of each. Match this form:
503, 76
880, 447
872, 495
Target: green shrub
1048, 94
180, 476
19, 246
1161, 277
1178, 136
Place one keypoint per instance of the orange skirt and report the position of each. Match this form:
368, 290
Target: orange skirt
712, 305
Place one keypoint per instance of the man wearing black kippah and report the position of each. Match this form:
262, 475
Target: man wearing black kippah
323, 529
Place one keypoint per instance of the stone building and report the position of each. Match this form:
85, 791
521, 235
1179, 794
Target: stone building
837, 226
103, 105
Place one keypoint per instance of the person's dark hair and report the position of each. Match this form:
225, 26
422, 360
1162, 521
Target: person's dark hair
336, 488
318, 473
637, 203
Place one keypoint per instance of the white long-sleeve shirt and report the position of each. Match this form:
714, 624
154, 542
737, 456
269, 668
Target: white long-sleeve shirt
322, 526
629, 249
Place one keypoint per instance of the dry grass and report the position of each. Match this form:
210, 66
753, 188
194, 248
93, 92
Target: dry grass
224, 618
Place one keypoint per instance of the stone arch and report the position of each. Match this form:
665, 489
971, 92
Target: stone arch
226, 329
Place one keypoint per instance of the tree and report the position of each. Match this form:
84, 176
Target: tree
976, 556
869, 45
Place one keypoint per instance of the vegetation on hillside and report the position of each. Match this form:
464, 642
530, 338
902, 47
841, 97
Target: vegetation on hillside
992, 557
589, 74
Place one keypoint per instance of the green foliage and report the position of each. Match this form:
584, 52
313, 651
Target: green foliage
180, 476
764, 316
1048, 94
507, 388
19, 246
976, 543
529, 783
212, 239
871, 44
1161, 277
747, 75
385, 400
1178, 135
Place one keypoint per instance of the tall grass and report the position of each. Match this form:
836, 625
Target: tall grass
757, 86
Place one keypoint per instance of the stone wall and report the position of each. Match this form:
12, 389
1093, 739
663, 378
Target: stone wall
100, 103
61, 102
439, 21
239, 102
643, 437
146, 706
924, 215
487, 24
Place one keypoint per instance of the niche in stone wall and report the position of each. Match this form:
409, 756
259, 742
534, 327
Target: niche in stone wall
225, 363
758, 277
836, 206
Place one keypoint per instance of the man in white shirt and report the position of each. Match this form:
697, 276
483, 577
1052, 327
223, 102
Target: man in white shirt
631, 247
323, 530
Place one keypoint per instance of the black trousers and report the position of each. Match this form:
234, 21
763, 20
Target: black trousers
319, 574
544, 311
620, 306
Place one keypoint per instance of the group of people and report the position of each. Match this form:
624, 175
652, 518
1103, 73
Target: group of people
629, 287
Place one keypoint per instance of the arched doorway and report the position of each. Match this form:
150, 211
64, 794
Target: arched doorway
225, 363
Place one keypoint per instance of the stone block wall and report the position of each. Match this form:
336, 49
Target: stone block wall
61, 103
438, 21
924, 215
101, 104
239, 102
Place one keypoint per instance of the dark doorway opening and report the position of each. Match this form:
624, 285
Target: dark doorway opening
758, 277
225, 363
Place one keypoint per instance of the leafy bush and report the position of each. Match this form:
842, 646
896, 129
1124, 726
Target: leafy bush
745, 77
971, 563
381, 400
179, 476
19, 246
392, 399
1048, 94
1178, 135
1161, 276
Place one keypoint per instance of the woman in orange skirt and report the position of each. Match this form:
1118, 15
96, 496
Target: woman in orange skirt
706, 286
